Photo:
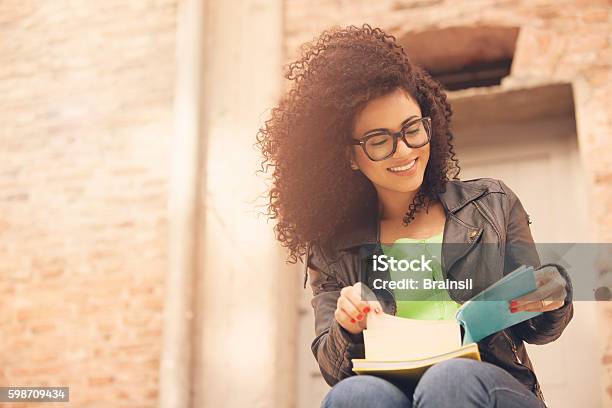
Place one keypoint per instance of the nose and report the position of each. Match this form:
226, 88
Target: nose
402, 148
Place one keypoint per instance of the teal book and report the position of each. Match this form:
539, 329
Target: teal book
489, 312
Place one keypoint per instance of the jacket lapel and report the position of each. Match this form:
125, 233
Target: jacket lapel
460, 236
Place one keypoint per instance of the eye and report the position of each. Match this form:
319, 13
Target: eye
378, 140
412, 129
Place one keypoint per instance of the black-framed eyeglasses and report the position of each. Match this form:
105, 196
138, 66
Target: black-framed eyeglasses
380, 144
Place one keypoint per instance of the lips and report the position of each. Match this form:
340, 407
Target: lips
406, 166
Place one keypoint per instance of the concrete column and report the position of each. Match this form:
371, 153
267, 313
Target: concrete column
184, 211
246, 307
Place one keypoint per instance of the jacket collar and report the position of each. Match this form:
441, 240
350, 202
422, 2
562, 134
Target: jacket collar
456, 195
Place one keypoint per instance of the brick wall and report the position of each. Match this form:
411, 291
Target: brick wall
85, 124
559, 41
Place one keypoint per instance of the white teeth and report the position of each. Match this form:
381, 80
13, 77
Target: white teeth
403, 168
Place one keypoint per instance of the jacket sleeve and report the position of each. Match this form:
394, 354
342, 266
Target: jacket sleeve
333, 346
521, 250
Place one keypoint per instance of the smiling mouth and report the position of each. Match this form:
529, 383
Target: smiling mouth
405, 167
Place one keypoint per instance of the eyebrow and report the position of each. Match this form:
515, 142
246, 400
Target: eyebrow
404, 123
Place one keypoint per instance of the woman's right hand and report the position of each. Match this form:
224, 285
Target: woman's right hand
352, 311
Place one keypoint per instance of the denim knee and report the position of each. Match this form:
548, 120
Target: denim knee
457, 380
467, 383
365, 391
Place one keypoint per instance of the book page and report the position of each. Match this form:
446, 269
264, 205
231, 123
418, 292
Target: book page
394, 338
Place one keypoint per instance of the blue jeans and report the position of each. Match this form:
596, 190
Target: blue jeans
453, 383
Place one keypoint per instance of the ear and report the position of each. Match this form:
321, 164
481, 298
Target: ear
350, 155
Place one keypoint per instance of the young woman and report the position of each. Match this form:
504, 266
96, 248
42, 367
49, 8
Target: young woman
361, 153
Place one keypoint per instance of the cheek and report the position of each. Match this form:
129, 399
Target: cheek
366, 165
374, 171
360, 157
425, 154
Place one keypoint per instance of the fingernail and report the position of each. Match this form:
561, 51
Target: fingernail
377, 310
353, 321
366, 309
513, 303
359, 317
513, 310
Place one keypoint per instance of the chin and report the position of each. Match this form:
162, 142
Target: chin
411, 189
403, 186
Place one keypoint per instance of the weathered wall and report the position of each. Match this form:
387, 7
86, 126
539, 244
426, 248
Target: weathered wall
85, 126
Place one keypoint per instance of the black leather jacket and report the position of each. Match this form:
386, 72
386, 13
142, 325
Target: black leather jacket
477, 212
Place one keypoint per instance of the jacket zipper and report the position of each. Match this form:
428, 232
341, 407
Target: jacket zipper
518, 360
513, 347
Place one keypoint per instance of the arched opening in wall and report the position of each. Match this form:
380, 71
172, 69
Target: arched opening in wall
463, 57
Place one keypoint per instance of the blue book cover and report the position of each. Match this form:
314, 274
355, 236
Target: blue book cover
489, 312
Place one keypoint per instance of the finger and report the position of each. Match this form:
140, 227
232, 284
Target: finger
345, 320
547, 290
354, 296
553, 305
543, 306
375, 307
349, 308
557, 298
366, 294
533, 296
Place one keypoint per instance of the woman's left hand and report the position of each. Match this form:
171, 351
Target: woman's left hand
549, 295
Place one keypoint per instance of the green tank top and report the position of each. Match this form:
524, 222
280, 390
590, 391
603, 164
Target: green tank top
423, 304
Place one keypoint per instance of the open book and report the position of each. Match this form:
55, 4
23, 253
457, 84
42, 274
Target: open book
403, 349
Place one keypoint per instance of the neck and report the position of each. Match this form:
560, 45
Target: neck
393, 204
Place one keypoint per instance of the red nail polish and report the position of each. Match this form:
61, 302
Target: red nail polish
513, 303
513, 310
366, 309
359, 317
353, 321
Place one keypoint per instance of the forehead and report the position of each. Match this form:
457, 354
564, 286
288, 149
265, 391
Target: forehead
387, 111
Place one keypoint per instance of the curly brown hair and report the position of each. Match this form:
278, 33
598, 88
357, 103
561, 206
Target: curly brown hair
315, 193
